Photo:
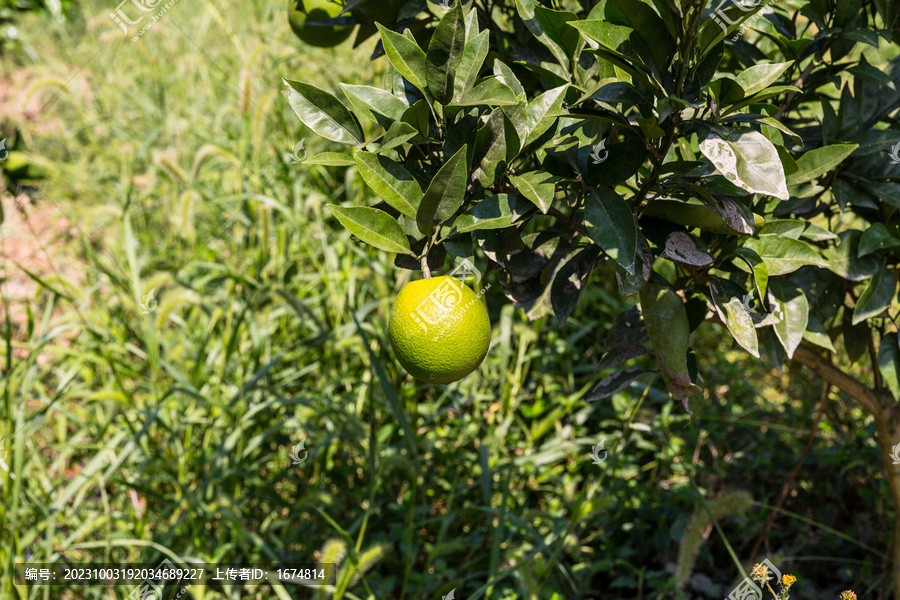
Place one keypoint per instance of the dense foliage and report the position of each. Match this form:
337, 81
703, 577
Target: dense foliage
735, 164
745, 168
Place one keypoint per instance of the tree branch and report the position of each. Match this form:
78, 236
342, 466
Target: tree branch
870, 399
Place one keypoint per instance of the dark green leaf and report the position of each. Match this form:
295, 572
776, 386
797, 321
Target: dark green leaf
623, 162
877, 297
889, 363
445, 193
489, 92
445, 51
610, 223
495, 212
393, 184
876, 238
373, 226
405, 55
614, 383
323, 113
843, 259
537, 186
647, 25
570, 281
496, 144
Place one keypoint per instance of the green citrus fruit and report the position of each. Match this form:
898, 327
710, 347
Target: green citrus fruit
439, 329
305, 28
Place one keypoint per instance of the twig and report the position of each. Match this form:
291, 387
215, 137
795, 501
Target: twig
571, 225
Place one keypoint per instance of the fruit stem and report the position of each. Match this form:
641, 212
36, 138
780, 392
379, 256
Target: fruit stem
425, 268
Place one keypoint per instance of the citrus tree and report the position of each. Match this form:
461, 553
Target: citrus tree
733, 166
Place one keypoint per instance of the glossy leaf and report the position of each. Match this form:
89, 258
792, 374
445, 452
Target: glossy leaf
474, 53
819, 161
537, 186
375, 104
539, 113
611, 224
759, 77
646, 24
733, 312
791, 308
876, 238
749, 161
496, 143
393, 183
330, 159
323, 113
488, 92
445, 193
815, 334
397, 134
569, 282
877, 297
373, 226
445, 51
757, 267
496, 212
405, 56
784, 255
843, 258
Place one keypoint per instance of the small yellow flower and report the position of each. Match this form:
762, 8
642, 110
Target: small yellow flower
788, 580
848, 595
